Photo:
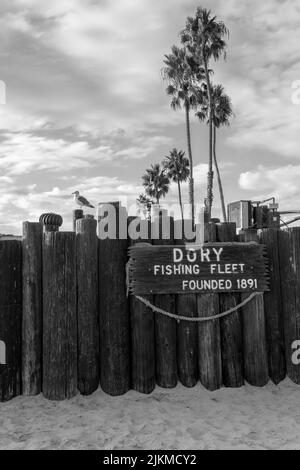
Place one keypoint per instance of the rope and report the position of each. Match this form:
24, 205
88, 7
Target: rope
196, 319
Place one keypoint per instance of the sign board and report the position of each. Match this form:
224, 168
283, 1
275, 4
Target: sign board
212, 267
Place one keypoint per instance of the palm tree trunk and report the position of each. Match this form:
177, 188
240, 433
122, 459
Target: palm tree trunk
210, 174
180, 199
189, 146
219, 176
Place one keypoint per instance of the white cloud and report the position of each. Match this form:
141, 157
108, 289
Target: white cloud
263, 60
25, 153
93, 69
281, 182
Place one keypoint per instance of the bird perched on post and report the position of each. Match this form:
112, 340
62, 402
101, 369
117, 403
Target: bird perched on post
81, 201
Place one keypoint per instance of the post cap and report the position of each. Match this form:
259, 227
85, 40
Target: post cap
51, 221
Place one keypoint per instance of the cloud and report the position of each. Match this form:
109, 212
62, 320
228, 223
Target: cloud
263, 60
281, 182
27, 202
25, 153
22, 153
85, 98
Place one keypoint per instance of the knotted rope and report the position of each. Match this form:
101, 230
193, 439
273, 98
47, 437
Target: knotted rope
196, 319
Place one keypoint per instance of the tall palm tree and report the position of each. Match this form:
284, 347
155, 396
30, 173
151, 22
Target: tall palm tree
177, 169
222, 112
144, 204
156, 182
179, 75
203, 37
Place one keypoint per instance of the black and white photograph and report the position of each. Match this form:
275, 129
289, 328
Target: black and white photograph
149, 228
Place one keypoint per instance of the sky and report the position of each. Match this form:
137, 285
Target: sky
86, 107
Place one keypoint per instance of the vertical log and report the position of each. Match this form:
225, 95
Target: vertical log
32, 318
187, 335
165, 328
87, 306
142, 334
289, 252
59, 315
114, 309
209, 342
231, 325
77, 215
10, 318
254, 333
273, 308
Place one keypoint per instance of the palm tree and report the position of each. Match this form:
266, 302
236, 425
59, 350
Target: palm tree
144, 204
222, 112
177, 169
179, 75
203, 38
156, 182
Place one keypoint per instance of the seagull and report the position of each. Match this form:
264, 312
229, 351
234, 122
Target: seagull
81, 201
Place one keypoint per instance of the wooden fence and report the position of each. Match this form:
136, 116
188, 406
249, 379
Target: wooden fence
67, 325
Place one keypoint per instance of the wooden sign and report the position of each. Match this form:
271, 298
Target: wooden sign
213, 267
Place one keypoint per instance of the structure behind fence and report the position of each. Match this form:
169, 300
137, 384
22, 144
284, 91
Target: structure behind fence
67, 324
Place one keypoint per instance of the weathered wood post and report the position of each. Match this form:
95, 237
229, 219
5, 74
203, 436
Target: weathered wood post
32, 318
289, 252
231, 325
87, 305
77, 215
209, 342
113, 301
187, 331
165, 328
142, 328
10, 318
254, 332
273, 308
59, 313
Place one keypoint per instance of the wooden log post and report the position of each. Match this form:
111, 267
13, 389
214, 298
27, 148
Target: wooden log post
187, 332
32, 318
165, 328
254, 332
142, 329
289, 252
231, 325
273, 308
113, 302
77, 215
209, 341
87, 306
59, 315
10, 318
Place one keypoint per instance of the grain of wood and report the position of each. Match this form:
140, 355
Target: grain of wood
187, 334
289, 252
87, 306
231, 326
142, 333
10, 317
114, 312
209, 341
274, 308
254, 334
59, 315
32, 318
165, 328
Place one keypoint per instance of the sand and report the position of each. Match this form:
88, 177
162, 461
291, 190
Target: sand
180, 418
